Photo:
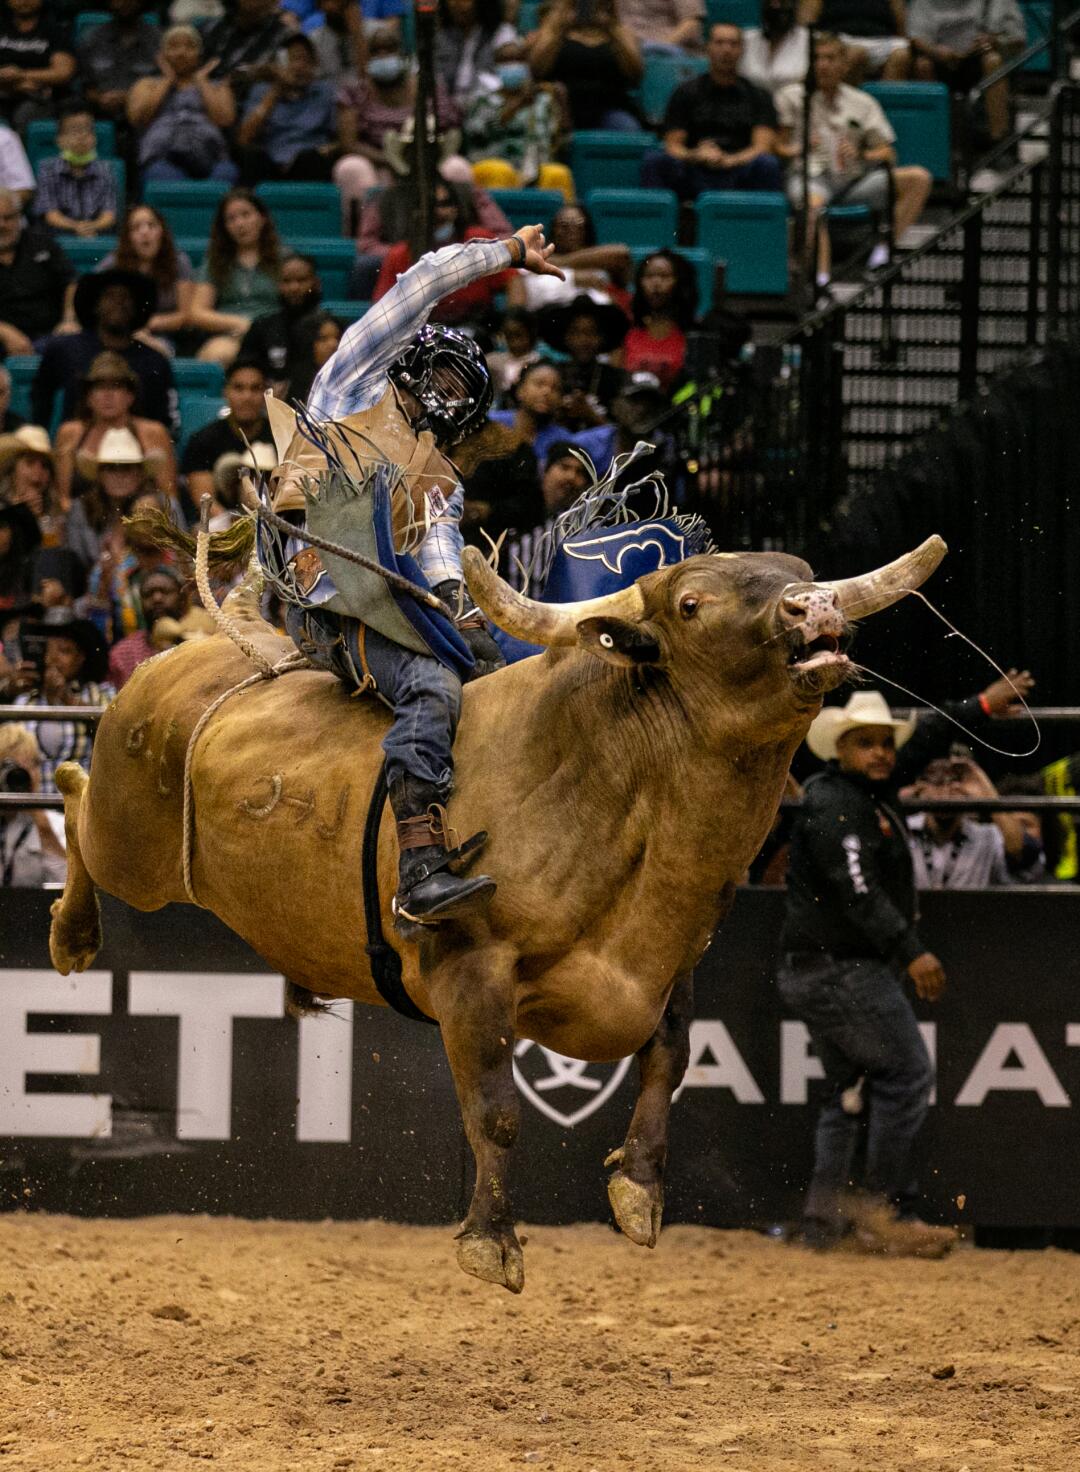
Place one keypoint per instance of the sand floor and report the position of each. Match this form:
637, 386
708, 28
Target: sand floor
262, 1345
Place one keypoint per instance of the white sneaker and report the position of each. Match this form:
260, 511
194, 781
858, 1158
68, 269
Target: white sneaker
879, 257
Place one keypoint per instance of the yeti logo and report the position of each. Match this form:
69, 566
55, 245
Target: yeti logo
612, 548
565, 1078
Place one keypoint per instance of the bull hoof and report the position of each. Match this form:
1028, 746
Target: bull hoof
638, 1209
494, 1258
72, 947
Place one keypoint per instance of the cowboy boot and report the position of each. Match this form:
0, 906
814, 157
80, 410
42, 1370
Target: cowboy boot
427, 891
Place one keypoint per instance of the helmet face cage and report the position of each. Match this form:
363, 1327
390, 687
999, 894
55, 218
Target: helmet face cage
446, 372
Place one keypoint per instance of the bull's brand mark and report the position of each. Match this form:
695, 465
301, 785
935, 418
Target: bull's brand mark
304, 804
554, 1084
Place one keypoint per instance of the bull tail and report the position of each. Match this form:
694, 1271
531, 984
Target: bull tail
75, 933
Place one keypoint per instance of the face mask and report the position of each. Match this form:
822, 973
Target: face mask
513, 76
443, 234
385, 70
78, 160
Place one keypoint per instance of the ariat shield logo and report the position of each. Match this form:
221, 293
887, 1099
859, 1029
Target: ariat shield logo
565, 1089
613, 547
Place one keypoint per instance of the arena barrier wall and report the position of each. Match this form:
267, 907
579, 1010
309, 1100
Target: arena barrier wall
168, 1079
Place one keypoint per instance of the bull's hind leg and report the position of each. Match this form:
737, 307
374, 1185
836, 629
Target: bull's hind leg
473, 998
75, 934
636, 1188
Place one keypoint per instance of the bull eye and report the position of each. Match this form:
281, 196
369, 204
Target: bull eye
606, 641
688, 606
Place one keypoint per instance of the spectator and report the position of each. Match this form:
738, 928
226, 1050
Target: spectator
239, 281
587, 331
9, 420
873, 31
28, 478
565, 479
601, 269
777, 53
850, 941
512, 131
340, 43
499, 476
244, 44
36, 62
718, 131
851, 152
959, 42
231, 471
664, 307
59, 579
517, 331
16, 175
180, 114
245, 423
162, 595
951, 850
595, 57
373, 106
75, 670
453, 220
37, 282
76, 193
665, 27
146, 245
31, 850
280, 342
469, 37
107, 401
111, 306
114, 56
19, 536
538, 402
289, 130
322, 338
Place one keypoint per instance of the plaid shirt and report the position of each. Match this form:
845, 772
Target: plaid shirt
355, 377
80, 196
65, 741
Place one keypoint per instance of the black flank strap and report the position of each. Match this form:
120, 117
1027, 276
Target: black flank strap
385, 961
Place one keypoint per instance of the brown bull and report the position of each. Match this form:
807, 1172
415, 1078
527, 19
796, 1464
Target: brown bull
627, 778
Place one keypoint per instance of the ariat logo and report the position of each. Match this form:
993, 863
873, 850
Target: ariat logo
853, 849
565, 1089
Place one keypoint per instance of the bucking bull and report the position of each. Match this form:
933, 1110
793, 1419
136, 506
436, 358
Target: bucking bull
627, 777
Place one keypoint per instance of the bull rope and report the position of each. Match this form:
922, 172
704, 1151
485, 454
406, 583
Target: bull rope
265, 671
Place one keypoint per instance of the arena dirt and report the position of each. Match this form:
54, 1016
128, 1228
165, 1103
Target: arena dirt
173, 1340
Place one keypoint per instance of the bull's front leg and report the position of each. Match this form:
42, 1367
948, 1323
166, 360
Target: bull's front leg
636, 1188
473, 996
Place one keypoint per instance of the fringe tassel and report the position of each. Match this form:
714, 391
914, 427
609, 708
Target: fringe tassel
228, 549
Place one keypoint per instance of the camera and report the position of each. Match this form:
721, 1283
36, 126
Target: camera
14, 778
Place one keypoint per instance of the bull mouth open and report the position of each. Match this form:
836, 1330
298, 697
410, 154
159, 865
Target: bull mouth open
819, 664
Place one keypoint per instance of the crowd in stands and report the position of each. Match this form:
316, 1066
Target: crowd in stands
260, 92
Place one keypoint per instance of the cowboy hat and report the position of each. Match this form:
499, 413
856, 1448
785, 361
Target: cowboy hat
611, 322
92, 286
259, 457
865, 708
117, 447
81, 632
109, 367
28, 439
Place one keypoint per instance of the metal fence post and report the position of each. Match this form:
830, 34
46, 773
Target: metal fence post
1053, 215
969, 306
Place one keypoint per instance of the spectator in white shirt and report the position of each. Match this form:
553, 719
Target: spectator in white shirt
778, 53
950, 850
31, 850
15, 171
665, 27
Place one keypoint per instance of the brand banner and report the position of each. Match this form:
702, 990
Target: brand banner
168, 1078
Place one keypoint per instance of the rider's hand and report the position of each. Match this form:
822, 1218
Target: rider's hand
537, 252
484, 650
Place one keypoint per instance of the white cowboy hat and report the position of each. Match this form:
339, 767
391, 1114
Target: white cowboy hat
28, 439
259, 456
865, 708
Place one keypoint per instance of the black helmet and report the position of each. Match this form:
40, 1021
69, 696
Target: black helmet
446, 371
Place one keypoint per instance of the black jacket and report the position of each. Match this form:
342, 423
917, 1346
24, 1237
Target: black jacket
850, 885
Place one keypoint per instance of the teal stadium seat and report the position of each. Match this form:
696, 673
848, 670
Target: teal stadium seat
41, 140
745, 14
333, 260
196, 412
602, 159
647, 217
701, 261
750, 232
529, 206
301, 211
189, 205
91, 18
194, 246
528, 16
347, 312
662, 75
22, 368
87, 255
1038, 19
919, 113
193, 377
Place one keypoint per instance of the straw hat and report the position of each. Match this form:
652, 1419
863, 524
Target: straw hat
29, 439
117, 447
865, 708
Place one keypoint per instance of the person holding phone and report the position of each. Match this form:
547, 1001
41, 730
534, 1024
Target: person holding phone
583, 45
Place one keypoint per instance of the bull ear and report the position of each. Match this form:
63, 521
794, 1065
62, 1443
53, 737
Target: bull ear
620, 641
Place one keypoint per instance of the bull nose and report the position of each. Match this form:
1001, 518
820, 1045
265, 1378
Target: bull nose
815, 611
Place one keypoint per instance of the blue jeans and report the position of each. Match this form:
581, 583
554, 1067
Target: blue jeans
862, 1026
618, 120
226, 171
423, 694
660, 171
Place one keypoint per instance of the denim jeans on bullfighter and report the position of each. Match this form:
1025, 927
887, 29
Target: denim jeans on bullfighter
423, 694
862, 1026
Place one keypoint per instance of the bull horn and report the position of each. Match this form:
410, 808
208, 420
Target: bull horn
548, 624
859, 597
